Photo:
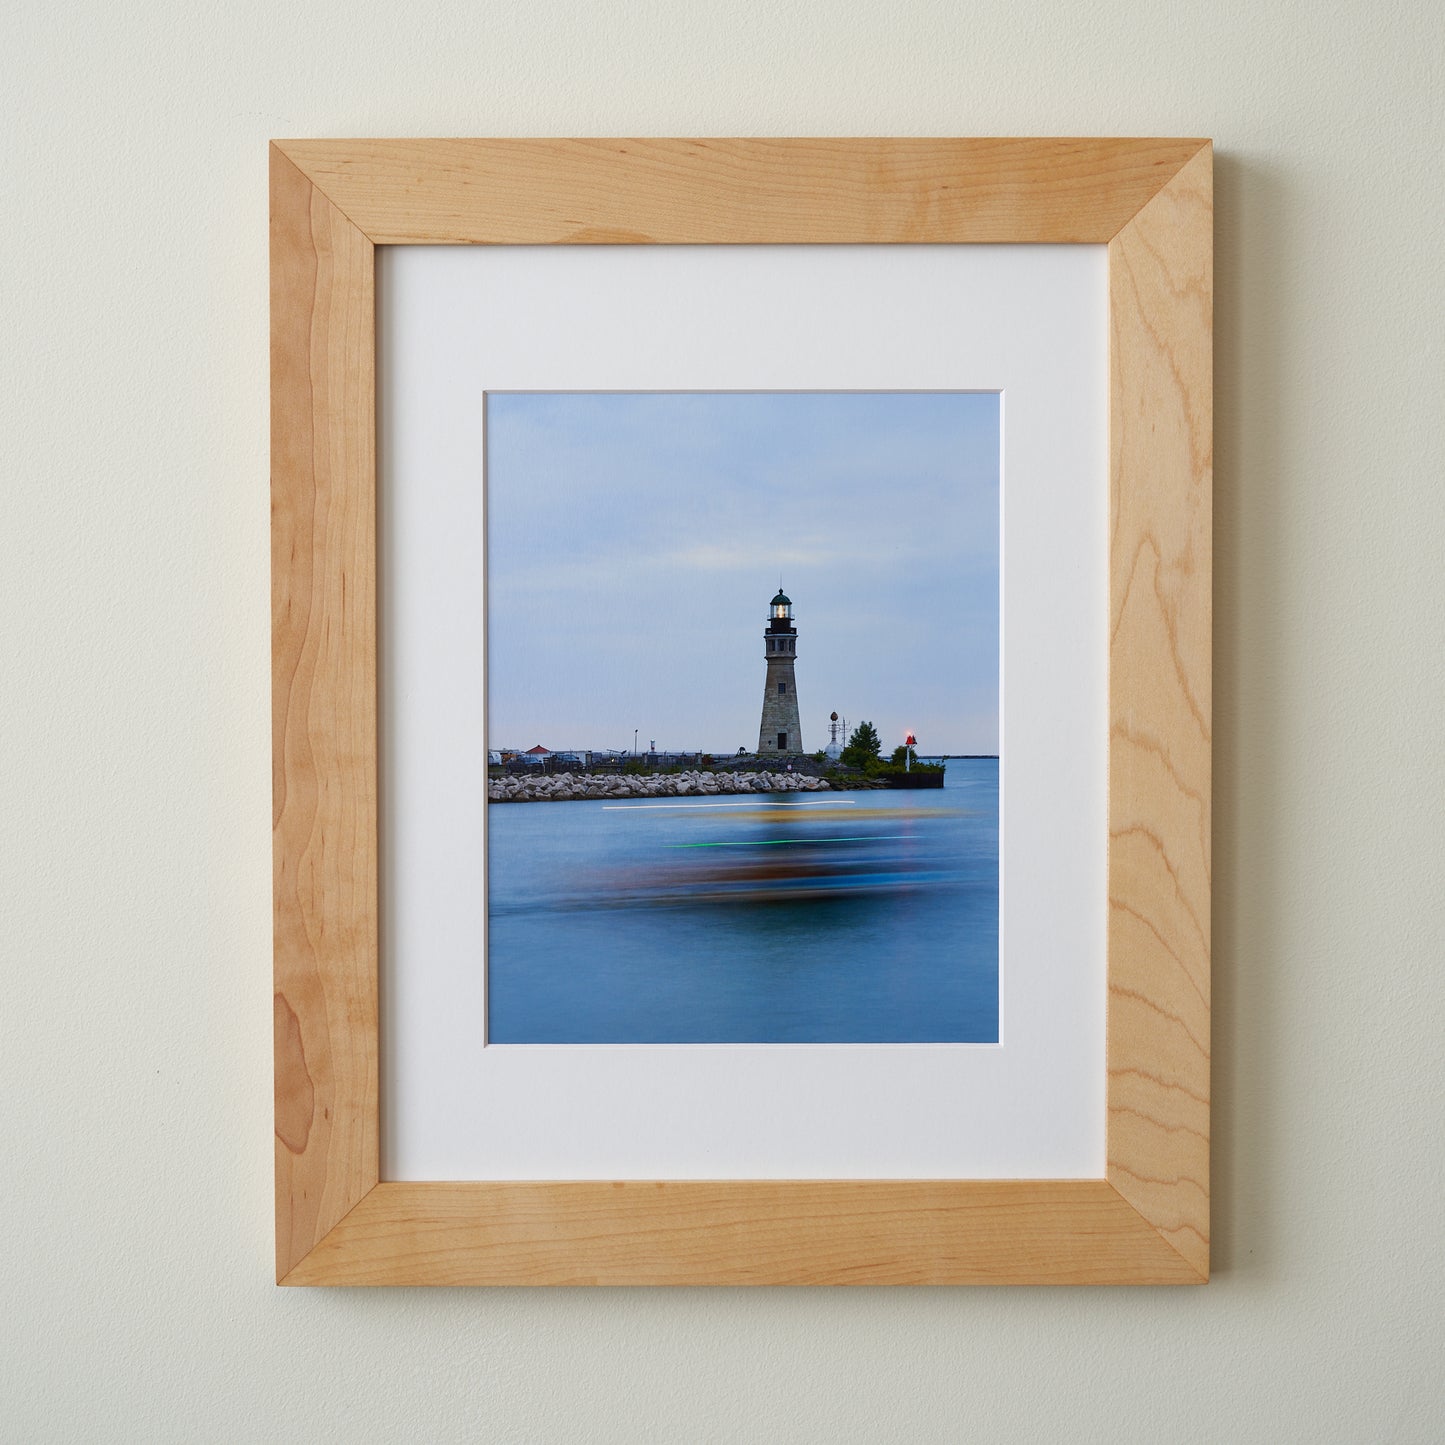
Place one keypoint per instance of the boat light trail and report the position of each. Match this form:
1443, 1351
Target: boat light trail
753, 803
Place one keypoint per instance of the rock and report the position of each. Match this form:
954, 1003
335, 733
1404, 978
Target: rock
562, 787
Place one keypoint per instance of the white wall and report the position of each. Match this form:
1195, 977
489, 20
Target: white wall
134, 814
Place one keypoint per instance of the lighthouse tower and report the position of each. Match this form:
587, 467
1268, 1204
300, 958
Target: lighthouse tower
780, 732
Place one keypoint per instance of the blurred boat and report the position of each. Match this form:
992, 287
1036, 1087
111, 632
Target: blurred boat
781, 855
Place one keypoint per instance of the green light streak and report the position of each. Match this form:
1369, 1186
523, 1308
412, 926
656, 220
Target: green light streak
780, 842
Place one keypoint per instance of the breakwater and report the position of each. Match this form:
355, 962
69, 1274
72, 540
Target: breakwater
563, 787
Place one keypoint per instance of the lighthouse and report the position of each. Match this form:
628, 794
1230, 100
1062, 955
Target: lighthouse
780, 731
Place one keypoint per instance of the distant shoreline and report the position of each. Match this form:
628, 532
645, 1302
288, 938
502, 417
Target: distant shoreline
721, 760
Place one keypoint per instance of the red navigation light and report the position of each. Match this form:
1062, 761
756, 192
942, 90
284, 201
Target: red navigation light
910, 741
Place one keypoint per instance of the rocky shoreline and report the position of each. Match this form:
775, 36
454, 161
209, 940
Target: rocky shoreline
565, 787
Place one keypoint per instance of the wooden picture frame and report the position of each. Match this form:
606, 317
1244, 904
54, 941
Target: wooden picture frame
332, 203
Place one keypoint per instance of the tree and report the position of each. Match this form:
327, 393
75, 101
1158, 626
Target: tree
863, 747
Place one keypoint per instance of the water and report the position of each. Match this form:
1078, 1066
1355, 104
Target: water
867, 917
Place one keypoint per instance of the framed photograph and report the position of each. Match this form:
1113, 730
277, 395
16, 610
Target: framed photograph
685, 907
742, 780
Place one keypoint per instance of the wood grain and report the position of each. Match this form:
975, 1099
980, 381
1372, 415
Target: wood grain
1161, 309
731, 192
745, 1232
323, 639
1147, 1221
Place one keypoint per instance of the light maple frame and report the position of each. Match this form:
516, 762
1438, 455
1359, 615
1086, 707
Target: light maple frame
332, 204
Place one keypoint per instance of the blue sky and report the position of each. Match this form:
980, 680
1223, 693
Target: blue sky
634, 541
